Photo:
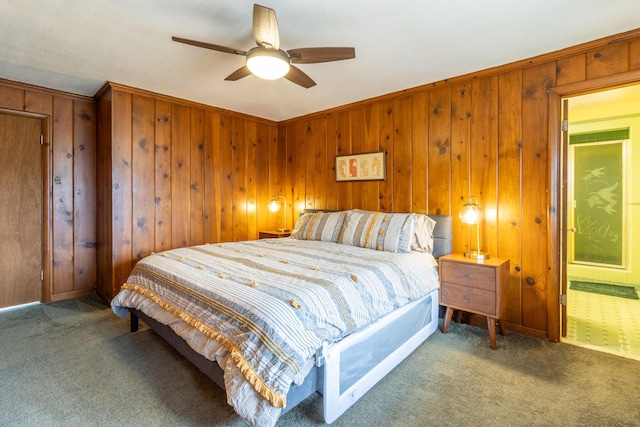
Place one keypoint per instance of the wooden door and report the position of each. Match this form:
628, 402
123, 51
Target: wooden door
20, 210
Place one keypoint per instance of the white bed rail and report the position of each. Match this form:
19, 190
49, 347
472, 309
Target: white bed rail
355, 364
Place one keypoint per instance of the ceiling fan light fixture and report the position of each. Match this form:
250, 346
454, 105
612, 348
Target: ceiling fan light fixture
268, 64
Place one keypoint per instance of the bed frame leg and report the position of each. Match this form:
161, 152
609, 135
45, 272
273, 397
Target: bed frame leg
134, 322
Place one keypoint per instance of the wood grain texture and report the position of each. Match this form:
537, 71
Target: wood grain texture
227, 177
63, 200
239, 165
419, 153
262, 193
509, 180
122, 203
356, 130
11, 98
402, 153
607, 61
299, 170
634, 55
571, 70
370, 144
460, 162
143, 159
181, 176
343, 146
535, 81
385, 141
322, 163
42, 103
104, 202
250, 137
196, 183
332, 152
309, 164
162, 176
439, 167
84, 194
212, 177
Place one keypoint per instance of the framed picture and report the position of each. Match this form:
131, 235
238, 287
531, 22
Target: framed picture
361, 167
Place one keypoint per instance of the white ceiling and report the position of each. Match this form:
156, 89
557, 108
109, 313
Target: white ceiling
78, 45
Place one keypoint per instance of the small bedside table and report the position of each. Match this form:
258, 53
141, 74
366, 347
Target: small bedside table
273, 234
474, 286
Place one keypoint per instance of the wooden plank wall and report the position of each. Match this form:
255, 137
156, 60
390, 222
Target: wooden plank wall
483, 135
173, 173
69, 217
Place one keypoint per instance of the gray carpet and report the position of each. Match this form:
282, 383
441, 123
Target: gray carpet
74, 363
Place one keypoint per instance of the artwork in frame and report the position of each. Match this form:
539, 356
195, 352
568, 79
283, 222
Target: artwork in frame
361, 167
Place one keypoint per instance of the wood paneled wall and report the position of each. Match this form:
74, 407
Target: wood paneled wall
483, 135
69, 185
173, 173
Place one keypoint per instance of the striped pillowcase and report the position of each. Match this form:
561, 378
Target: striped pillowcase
325, 226
391, 232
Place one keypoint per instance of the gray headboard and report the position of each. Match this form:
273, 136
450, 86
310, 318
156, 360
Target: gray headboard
442, 233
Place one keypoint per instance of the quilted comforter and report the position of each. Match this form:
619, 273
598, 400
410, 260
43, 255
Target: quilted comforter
263, 308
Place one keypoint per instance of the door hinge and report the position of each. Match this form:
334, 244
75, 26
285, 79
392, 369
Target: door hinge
41, 139
565, 125
563, 299
41, 275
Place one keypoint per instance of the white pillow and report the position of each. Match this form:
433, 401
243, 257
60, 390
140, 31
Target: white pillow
422, 239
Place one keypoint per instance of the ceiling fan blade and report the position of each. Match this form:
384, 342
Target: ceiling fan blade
208, 46
297, 76
238, 74
265, 27
312, 55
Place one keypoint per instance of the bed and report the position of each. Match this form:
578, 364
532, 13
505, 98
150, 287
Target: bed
332, 309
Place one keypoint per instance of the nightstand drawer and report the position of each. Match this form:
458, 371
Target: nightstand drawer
466, 274
468, 298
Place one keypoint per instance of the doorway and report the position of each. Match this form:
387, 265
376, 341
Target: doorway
20, 209
603, 279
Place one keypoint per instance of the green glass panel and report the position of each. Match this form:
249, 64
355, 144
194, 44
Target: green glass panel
598, 188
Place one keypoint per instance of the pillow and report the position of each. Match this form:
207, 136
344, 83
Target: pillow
422, 239
389, 232
325, 226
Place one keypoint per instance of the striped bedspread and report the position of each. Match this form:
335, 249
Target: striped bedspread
270, 304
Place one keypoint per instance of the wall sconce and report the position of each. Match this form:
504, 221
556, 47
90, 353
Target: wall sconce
274, 206
470, 214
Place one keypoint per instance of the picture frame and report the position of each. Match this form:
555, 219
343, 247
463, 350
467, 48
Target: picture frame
362, 167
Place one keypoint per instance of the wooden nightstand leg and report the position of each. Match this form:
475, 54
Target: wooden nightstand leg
447, 320
491, 323
503, 331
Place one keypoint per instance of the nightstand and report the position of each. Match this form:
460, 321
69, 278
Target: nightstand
273, 234
475, 287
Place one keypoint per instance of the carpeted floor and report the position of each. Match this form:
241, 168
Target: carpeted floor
74, 363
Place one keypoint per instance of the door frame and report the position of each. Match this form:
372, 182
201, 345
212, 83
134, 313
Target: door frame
557, 198
47, 193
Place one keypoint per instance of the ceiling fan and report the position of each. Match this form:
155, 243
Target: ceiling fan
270, 62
